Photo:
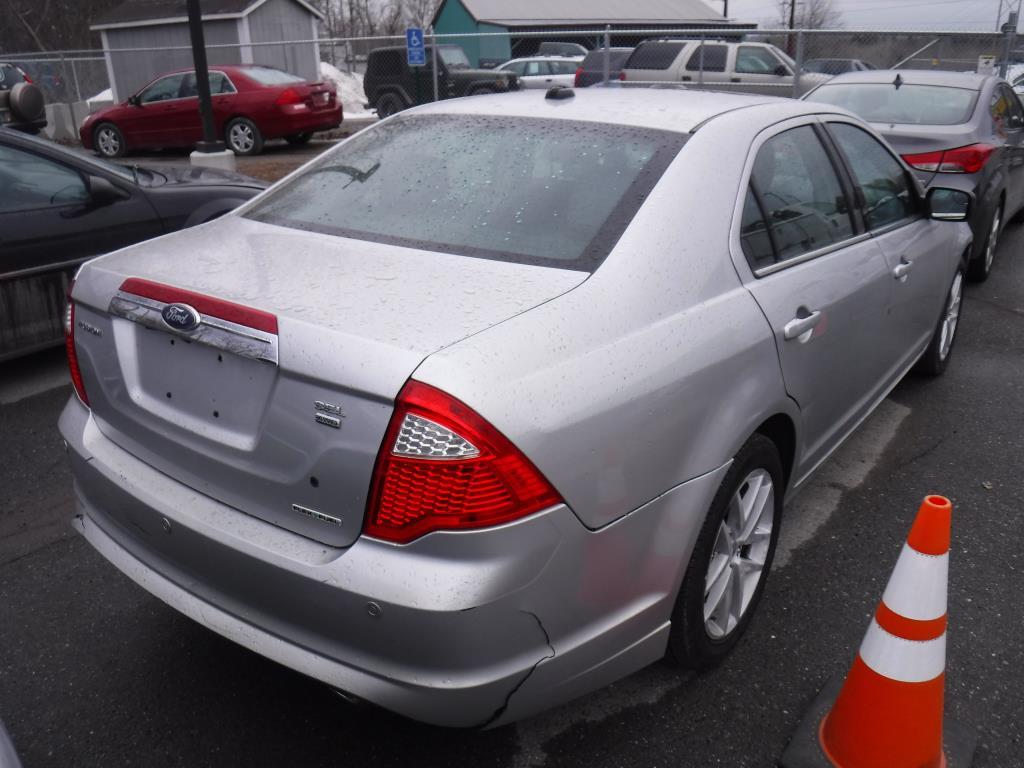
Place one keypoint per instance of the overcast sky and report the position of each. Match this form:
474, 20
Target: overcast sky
891, 14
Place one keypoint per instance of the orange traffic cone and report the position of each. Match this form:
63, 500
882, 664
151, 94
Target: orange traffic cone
888, 712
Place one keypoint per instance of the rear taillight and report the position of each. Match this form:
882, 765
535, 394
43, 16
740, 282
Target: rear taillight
69, 344
26, 78
442, 467
969, 159
576, 80
622, 75
288, 96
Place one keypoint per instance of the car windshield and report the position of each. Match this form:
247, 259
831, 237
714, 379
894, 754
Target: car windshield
268, 76
908, 104
536, 191
453, 57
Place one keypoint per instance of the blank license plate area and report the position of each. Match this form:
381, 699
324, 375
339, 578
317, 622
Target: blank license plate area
212, 389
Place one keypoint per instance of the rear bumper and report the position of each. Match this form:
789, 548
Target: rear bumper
300, 121
464, 629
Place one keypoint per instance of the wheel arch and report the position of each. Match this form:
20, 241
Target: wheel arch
781, 430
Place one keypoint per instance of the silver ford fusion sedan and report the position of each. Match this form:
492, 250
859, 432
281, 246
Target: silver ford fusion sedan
500, 400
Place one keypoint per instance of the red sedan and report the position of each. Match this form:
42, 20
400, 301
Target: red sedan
251, 104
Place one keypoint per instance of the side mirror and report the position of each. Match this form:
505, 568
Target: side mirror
102, 192
134, 100
781, 70
947, 204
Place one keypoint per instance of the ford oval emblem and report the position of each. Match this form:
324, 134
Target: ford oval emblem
181, 317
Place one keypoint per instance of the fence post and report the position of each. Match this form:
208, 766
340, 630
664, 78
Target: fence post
799, 63
1009, 33
433, 56
700, 62
606, 69
74, 75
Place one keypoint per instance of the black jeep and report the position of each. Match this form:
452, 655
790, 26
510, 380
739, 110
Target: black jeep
391, 85
21, 102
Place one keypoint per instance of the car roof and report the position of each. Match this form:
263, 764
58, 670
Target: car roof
668, 109
969, 80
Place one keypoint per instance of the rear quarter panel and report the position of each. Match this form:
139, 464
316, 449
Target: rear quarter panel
652, 372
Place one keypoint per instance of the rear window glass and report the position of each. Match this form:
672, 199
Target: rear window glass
908, 104
654, 55
595, 59
268, 76
554, 193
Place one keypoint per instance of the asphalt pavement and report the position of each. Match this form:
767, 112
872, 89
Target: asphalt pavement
96, 672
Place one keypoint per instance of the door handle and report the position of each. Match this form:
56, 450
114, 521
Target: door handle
734, 80
901, 270
801, 325
686, 78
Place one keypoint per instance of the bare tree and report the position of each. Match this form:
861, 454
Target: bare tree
810, 14
419, 13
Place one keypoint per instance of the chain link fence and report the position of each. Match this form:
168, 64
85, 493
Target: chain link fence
717, 58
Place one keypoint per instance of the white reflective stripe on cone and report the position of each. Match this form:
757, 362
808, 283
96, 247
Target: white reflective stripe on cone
908, 661
917, 587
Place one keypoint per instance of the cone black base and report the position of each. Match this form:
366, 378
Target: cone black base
804, 749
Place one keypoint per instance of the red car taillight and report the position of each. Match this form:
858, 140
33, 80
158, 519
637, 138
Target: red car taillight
288, 96
576, 80
69, 344
442, 467
969, 159
622, 75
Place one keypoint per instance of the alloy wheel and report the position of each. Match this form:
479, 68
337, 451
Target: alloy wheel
241, 138
108, 141
993, 239
951, 317
737, 559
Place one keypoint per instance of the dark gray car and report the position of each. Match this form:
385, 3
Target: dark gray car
955, 130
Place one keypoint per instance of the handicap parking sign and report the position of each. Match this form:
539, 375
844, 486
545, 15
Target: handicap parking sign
414, 50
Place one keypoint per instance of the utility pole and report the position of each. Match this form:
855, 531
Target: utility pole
725, 10
999, 15
209, 151
792, 25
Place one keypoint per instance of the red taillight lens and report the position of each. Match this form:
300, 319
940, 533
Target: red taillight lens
969, 159
442, 467
69, 345
288, 96
622, 75
576, 80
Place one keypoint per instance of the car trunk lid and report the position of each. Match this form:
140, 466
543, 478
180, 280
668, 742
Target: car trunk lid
920, 139
276, 404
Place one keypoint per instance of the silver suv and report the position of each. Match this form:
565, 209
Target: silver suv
719, 65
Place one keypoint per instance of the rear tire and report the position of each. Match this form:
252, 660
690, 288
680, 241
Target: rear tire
389, 104
299, 138
243, 137
730, 562
108, 141
981, 267
940, 348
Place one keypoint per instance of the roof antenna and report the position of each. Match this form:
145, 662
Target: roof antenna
898, 81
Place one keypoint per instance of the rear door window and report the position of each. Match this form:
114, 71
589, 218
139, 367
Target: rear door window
884, 184
709, 58
754, 236
536, 68
800, 193
654, 55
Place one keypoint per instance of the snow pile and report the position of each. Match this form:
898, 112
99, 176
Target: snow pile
101, 99
349, 86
